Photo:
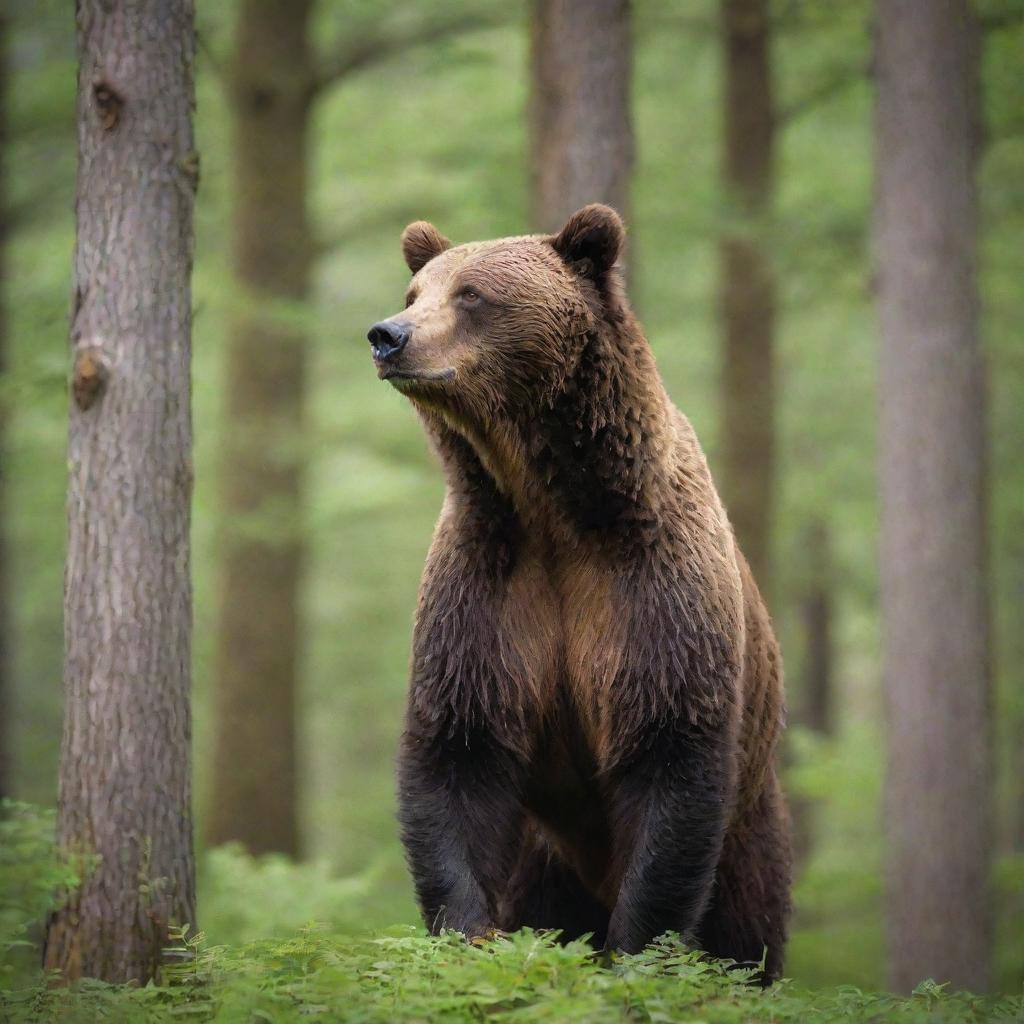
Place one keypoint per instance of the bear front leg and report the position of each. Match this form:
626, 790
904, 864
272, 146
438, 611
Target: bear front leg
461, 761
749, 909
671, 803
462, 820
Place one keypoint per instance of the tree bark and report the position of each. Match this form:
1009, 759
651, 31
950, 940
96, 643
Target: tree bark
747, 287
253, 794
933, 485
124, 777
581, 134
6, 695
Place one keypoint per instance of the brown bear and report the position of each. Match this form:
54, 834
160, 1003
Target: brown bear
596, 693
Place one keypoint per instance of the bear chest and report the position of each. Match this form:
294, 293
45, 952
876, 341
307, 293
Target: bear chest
562, 638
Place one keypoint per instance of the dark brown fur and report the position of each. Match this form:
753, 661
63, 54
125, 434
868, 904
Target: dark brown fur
596, 692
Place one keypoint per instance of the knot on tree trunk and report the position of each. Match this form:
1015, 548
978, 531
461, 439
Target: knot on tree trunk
90, 376
108, 103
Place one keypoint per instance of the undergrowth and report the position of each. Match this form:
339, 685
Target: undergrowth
407, 976
317, 974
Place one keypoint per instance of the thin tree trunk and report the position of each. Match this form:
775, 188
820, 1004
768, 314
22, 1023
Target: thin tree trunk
933, 482
6, 696
817, 613
815, 709
747, 289
581, 135
254, 787
124, 777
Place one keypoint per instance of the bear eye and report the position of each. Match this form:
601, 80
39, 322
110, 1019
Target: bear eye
470, 296
410, 299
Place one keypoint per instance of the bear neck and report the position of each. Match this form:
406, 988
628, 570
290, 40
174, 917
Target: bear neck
587, 459
594, 447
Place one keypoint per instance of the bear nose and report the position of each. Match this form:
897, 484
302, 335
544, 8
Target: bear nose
387, 339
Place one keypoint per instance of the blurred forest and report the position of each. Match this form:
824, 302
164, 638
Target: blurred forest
331, 492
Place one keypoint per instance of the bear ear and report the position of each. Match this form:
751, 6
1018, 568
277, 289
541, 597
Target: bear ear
591, 240
421, 242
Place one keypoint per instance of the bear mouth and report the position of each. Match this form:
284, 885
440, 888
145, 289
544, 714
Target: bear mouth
403, 380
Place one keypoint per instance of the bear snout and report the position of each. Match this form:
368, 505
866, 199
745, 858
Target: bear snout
387, 339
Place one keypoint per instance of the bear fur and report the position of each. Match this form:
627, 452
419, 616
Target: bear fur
596, 694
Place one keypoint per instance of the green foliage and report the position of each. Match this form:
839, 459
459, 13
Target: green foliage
406, 976
1009, 896
837, 935
267, 956
245, 898
31, 876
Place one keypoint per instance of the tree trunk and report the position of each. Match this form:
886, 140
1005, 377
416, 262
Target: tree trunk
817, 613
581, 135
815, 708
933, 481
747, 289
124, 777
6, 696
253, 792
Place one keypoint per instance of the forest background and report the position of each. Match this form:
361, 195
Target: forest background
432, 122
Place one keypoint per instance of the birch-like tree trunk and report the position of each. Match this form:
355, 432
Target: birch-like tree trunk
124, 778
581, 134
933, 486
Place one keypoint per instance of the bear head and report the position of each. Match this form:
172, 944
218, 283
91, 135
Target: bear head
496, 328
